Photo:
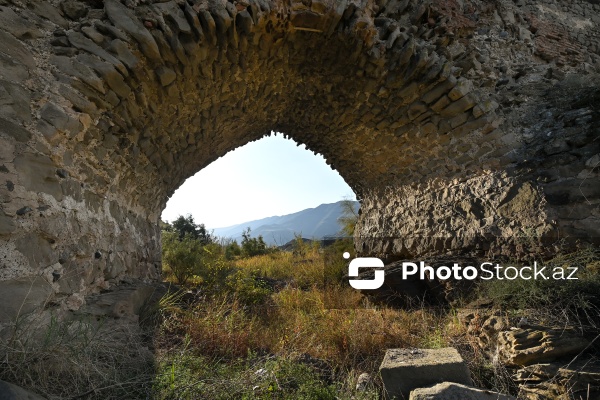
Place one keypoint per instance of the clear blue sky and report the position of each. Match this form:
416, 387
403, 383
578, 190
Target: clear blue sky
272, 176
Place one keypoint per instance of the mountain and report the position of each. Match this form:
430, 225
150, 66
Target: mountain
311, 223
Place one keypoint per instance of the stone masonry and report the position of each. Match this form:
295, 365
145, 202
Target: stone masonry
462, 125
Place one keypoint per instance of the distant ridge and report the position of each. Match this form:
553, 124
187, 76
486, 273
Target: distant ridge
311, 223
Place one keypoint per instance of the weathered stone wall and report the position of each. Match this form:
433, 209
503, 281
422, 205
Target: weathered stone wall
469, 121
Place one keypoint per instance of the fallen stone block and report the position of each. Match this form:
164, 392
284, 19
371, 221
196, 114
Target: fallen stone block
456, 391
403, 370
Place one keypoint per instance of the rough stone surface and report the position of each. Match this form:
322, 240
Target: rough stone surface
456, 391
22, 296
123, 302
575, 379
485, 325
534, 345
403, 370
463, 126
546, 363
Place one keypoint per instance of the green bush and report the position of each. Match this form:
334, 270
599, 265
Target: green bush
249, 289
232, 250
216, 270
253, 246
183, 256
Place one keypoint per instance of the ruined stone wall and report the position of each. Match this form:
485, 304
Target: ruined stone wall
538, 64
459, 124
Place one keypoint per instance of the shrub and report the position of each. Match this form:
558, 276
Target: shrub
253, 246
232, 250
183, 256
248, 288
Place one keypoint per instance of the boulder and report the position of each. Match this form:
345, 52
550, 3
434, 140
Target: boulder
456, 391
403, 370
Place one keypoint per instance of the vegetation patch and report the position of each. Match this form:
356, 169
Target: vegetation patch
251, 322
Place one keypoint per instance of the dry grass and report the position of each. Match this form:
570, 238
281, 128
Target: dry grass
295, 320
78, 359
299, 270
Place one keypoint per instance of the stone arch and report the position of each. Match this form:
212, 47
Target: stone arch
459, 125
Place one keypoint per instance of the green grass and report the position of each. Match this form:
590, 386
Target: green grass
185, 375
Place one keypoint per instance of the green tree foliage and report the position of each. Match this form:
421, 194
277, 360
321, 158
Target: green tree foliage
232, 250
253, 246
215, 269
186, 226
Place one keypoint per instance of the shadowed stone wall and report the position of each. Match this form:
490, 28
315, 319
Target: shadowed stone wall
461, 125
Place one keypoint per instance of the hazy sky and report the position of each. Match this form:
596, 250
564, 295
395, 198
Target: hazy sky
272, 176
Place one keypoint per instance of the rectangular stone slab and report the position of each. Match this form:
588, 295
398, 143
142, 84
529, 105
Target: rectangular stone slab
403, 370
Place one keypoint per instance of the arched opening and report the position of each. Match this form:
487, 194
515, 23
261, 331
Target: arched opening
273, 176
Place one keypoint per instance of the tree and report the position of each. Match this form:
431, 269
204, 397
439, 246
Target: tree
232, 250
349, 217
253, 246
186, 226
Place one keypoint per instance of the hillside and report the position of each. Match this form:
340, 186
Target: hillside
277, 230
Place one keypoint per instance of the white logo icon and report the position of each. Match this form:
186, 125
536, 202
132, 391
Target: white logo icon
365, 262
